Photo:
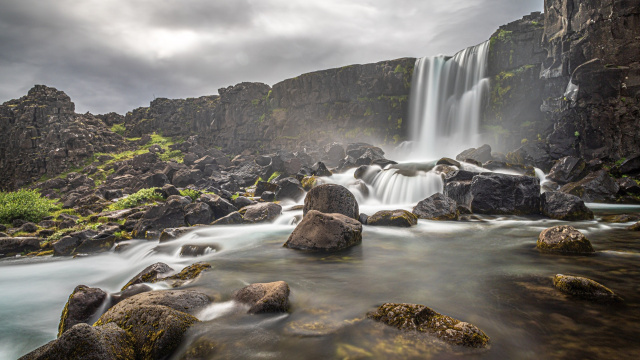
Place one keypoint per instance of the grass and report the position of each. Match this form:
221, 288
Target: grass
142, 197
274, 175
118, 129
193, 194
26, 205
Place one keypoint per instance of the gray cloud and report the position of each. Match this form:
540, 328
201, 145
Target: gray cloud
117, 55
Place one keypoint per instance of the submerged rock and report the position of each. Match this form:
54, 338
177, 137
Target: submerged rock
561, 206
187, 274
564, 239
437, 207
412, 317
634, 227
332, 198
325, 232
265, 297
169, 234
399, 218
150, 274
501, 194
584, 288
81, 307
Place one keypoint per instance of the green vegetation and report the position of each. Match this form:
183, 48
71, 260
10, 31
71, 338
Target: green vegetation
619, 162
193, 194
26, 205
400, 69
274, 175
118, 129
576, 134
142, 197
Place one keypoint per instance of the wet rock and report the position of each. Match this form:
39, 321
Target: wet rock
219, 206
96, 244
261, 212
12, 246
265, 297
398, 218
81, 307
501, 165
584, 288
561, 206
634, 227
332, 198
437, 207
129, 292
481, 154
198, 213
363, 218
83, 341
66, 245
232, 219
197, 250
150, 274
630, 166
628, 186
186, 275
621, 218
568, 169
533, 154
500, 194
289, 189
268, 196
169, 214
320, 169
242, 201
309, 182
334, 153
459, 175
564, 239
262, 186
325, 232
459, 191
169, 234
595, 187
412, 317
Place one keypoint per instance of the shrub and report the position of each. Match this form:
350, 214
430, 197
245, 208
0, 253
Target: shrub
141, 197
193, 194
26, 205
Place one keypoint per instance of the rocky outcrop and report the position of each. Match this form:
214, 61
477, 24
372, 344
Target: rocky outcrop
595, 187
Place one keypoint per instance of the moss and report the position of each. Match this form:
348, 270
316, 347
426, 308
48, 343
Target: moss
309, 182
583, 288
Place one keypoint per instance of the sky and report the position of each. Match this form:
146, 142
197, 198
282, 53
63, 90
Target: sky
117, 55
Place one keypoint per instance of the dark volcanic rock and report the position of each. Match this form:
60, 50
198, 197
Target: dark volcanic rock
481, 154
197, 250
17, 245
561, 206
169, 234
262, 186
232, 219
265, 297
564, 239
261, 212
437, 207
595, 187
81, 307
584, 288
501, 194
220, 206
459, 191
331, 198
169, 214
398, 218
325, 232
568, 169
198, 213
289, 188
149, 274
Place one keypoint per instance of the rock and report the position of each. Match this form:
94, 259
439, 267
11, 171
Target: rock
198, 213
630, 166
459, 175
186, 177
150, 274
289, 188
564, 239
28, 227
459, 191
500, 194
81, 307
17, 245
363, 218
448, 161
568, 169
197, 250
561, 206
334, 153
169, 234
232, 219
501, 165
169, 214
309, 182
621, 218
66, 245
332, 198
533, 154
190, 272
82, 341
261, 212
595, 187
268, 196
129, 292
190, 158
265, 297
325, 232
320, 169
481, 154
220, 206
96, 244
242, 201
628, 186
634, 227
584, 288
420, 318
262, 186
398, 218
437, 207
263, 160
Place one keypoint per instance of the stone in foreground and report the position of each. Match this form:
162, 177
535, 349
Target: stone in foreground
564, 239
331, 198
265, 297
398, 218
325, 232
81, 307
437, 207
562, 206
584, 288
412, 317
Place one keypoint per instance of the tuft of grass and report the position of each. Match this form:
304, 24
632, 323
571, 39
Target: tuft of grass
142, 197
118, 129
193, 194
274, 175
25, 204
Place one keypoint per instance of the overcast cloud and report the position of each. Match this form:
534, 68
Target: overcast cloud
116, 55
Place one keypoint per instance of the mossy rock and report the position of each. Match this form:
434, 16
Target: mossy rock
413, 317
187, 274
564, 239
309, 182
149, 275
584, 288
265, 297
398, 218
82, 304
634, 227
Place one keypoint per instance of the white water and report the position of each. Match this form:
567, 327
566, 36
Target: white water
447, 94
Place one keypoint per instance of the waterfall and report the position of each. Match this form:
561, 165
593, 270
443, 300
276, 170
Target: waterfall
446, 100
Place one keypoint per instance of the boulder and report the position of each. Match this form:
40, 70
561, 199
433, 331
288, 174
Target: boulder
628, 186
268, 196
534, 153
331, 198
413, 317
265, 297
564, 239
501, 194
262, 186
584, 288
242, 201
518, 168
96, 244
169, 190
232, 219
169, 214
459, 191
158, 179
561, 206
197, 250
634, 227
28, 227
150, 274
129, 292
481, 154
398, 218
437, 207
169, 234
595, 187
12, 246
320, 169
186, 275
261, 212
198, 213
83, 341
289, 188
459, 175
630, 166
219, 206
334, 153
66, 245
185, 177
449, 162
325, 232
81, 307
568, 169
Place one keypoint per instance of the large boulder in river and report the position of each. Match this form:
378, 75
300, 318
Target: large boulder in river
459, 191
561, 206
568, 169
261, 212
331, 198
595, 187
584, 288
398, 218
501, 194
81, 307
437, 207
265, 297
413, 317
564, 239
83, 341
325, 232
